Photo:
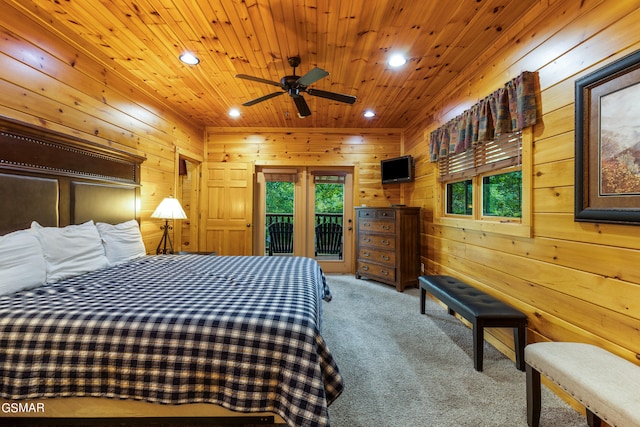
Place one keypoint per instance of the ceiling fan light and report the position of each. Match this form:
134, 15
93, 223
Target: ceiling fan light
295, 86
369, 114
234, 112
189, 58
397, 60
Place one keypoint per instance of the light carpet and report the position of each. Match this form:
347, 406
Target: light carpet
404, 369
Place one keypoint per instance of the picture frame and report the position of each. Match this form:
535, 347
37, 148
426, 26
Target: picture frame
607, 143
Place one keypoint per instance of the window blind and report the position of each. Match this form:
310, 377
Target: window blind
322, 177
503, 152
280, 175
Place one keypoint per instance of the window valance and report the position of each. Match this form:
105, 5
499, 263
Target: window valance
509, 109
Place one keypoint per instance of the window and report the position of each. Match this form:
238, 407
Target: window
502, 195
460, 198
488, 187
489, 145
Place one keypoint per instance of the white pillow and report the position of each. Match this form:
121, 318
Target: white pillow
70, 250
122, 242
21, 262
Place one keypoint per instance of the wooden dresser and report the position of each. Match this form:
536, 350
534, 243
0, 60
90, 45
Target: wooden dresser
388, 245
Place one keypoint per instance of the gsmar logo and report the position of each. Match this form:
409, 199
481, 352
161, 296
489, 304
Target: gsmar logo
22, 408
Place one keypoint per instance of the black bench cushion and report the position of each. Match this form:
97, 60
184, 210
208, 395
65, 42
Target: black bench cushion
467, 300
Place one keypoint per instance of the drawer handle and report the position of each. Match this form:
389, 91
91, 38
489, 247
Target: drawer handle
366, 224
383, 213
366, 254
365, 268
385, 272
386, 227
366, 240
386, 257
385, 242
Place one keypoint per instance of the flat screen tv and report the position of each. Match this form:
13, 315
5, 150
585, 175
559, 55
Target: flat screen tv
399, 169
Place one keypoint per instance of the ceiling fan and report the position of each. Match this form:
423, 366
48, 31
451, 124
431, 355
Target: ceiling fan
296, 85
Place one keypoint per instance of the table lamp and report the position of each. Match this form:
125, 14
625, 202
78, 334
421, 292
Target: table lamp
168, 209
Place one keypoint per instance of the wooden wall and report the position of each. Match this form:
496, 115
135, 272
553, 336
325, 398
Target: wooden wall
576, 281
49, 80
360, 148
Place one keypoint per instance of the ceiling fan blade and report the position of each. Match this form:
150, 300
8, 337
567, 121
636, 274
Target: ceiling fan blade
303, 108
348, 99
262, 98
312, 76
258, 79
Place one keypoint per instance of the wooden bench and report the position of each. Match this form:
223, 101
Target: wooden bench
607, 385
479, 308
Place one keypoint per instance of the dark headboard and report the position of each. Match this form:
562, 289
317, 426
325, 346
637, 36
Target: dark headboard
59, 180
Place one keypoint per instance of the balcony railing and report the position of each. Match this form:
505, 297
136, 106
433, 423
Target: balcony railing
320, 218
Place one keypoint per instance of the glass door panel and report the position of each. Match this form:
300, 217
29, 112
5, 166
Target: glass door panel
329, 217
279, 217
330, 227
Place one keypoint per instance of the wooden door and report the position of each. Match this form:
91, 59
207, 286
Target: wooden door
227, 208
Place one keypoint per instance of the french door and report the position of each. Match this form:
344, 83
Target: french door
318, 205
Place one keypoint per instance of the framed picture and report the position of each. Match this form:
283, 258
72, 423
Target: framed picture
607, 144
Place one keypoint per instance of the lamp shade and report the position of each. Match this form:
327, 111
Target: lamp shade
169, 208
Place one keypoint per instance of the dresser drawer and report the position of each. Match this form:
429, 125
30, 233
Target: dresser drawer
377, 213
376, 226
374, 255
381, 271
377, 241
386, 213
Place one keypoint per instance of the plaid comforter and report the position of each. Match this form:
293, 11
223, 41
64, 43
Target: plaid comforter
241, 332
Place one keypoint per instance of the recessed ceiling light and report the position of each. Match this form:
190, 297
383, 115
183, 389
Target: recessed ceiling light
368, 114
397, 60
234, 112
189, 58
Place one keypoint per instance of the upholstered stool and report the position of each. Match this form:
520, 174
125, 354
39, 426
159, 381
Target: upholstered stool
607, 385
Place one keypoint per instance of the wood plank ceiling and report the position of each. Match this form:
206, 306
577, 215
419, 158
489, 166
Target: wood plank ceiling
352, 40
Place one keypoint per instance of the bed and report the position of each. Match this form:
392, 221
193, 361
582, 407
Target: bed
138, 336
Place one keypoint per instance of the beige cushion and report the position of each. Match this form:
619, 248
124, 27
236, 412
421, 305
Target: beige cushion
606, 384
